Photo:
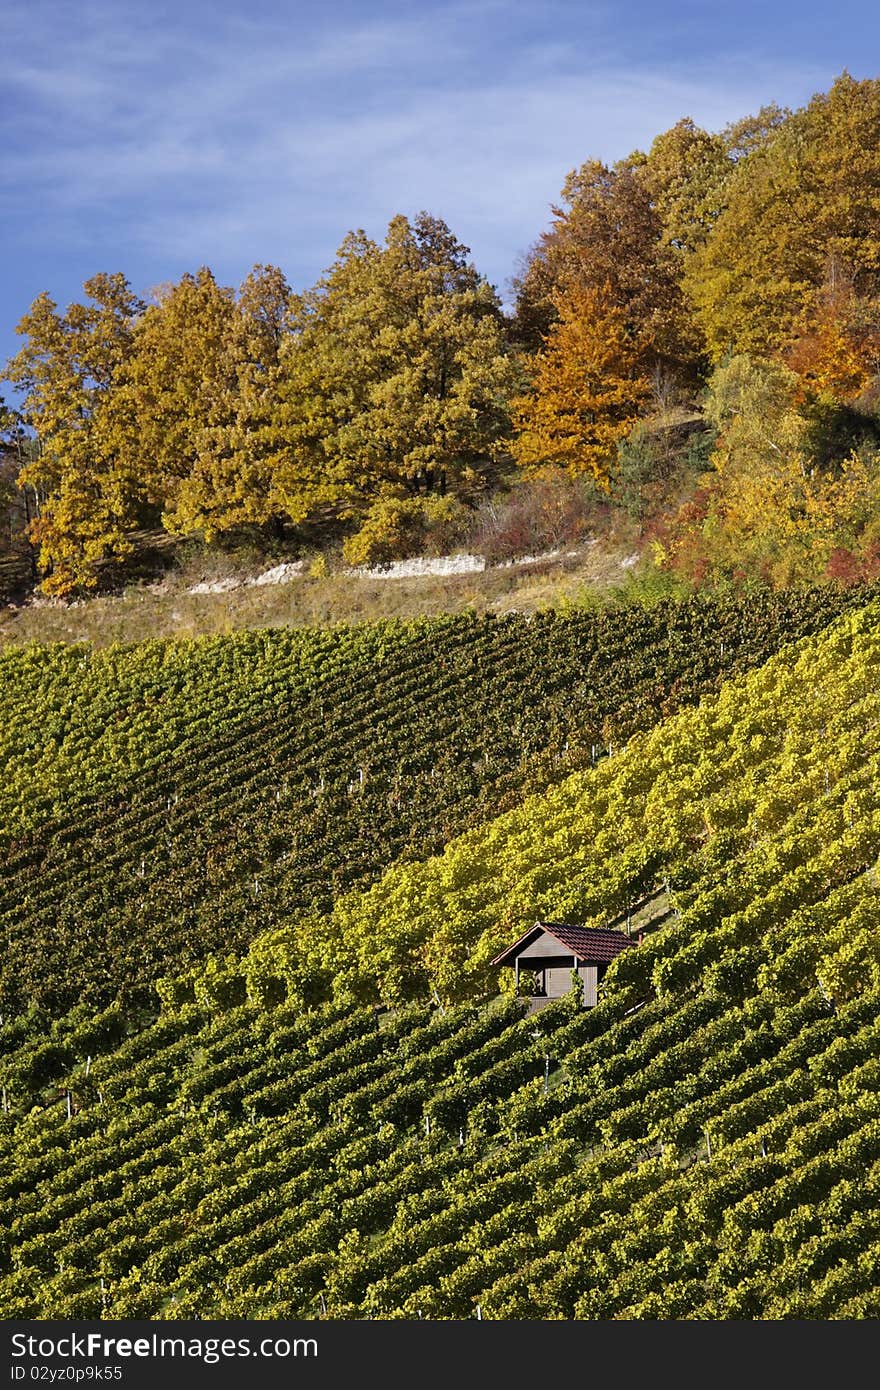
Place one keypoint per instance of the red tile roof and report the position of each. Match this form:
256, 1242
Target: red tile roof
590, 943
595, 945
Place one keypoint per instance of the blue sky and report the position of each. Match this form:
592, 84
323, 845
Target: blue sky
154, 138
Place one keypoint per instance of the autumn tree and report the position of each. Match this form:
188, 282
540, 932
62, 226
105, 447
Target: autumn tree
587, 390
608, 235
686, 172
18, 447
789, 523
9, 470
393, 382
236, 446
772, 506
179, 381
87, 499
753, 406
633, 227
263, 305
803, 196
744, 515
837, 350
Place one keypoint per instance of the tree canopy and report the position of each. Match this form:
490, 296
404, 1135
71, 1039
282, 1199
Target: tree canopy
608, 235
395, 377
387, 400
67, 370
586, 390
802, 206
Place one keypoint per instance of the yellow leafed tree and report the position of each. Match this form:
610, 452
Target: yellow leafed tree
87, 498
802, 198
769, 508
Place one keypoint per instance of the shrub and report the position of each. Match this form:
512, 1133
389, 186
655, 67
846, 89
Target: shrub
538, 515
398, 527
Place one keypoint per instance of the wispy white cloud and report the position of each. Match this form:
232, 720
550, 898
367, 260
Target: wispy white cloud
203, 134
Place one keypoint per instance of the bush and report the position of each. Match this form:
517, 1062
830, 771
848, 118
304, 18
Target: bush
396, 528
655, 461
542, 514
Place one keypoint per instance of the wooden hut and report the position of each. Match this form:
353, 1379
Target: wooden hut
551, 951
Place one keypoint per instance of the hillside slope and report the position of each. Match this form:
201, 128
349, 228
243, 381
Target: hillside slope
700, 798
705, 1143
172, 799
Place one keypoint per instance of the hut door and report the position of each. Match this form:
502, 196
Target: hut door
589, 974
558, 980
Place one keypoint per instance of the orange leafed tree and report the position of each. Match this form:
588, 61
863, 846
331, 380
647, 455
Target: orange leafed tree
838, 351
586, 391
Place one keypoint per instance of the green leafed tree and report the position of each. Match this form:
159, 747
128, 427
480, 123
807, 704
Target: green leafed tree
685, 172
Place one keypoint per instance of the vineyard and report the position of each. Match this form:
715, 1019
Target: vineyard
170, 800
349, 1120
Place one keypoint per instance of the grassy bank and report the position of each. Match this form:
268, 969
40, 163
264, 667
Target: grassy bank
591, 574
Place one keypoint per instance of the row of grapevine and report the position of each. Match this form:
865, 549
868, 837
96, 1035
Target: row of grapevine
166, 801
793, 744
703, 1144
